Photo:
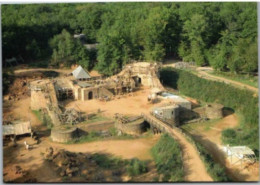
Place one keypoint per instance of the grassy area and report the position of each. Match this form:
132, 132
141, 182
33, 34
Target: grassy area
245, 79
216, 171
206, 125
39, 64
37, 114
133, 166
136, 167
168, 159
44, 118
95, 136
96, 118
91, 136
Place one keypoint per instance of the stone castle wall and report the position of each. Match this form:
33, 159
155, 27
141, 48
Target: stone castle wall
132, 129
63, 136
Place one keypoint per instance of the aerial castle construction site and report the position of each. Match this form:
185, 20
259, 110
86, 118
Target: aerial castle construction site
47, 95
68, 103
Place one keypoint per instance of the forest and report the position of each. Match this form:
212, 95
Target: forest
218, 34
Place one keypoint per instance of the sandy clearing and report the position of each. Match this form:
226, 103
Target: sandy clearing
33, 161
135, 104
126, 149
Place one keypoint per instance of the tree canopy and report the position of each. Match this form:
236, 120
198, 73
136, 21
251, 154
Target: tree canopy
222, 35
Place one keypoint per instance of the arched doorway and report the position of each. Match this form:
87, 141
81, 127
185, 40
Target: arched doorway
90, 95
139, 80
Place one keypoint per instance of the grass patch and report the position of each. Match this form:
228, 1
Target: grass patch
216, 171
91, 136
205, 125
133, 166
136, 167
37, 113
168, 160
96, 118
149, 133
107, 162
39, 64
44, 118
96, 136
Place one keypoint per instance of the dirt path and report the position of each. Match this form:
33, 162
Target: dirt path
194, 168
211, 140
208, 76
204, 74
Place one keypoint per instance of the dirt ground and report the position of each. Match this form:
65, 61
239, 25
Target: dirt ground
126, 149
20, 110
33, 163
127, 104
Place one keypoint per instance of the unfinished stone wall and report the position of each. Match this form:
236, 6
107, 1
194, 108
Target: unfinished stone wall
126, 81
169, 114
214, 111
104, 92
147, 72
38, 100
77, 93
89, 93
130, 128
43, 96
210, 111
63, 136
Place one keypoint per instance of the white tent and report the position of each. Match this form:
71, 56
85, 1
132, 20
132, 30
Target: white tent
242, 153
80, 73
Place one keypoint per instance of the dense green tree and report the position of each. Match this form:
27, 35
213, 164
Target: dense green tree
222, 35
67, 50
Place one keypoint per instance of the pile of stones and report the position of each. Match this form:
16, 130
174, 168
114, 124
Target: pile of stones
71, 116
68, 163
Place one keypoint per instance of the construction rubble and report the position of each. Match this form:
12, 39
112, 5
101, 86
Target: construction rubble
68, 163
71, 116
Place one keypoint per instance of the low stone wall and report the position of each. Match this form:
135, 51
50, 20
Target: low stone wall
63, 136
136, 128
